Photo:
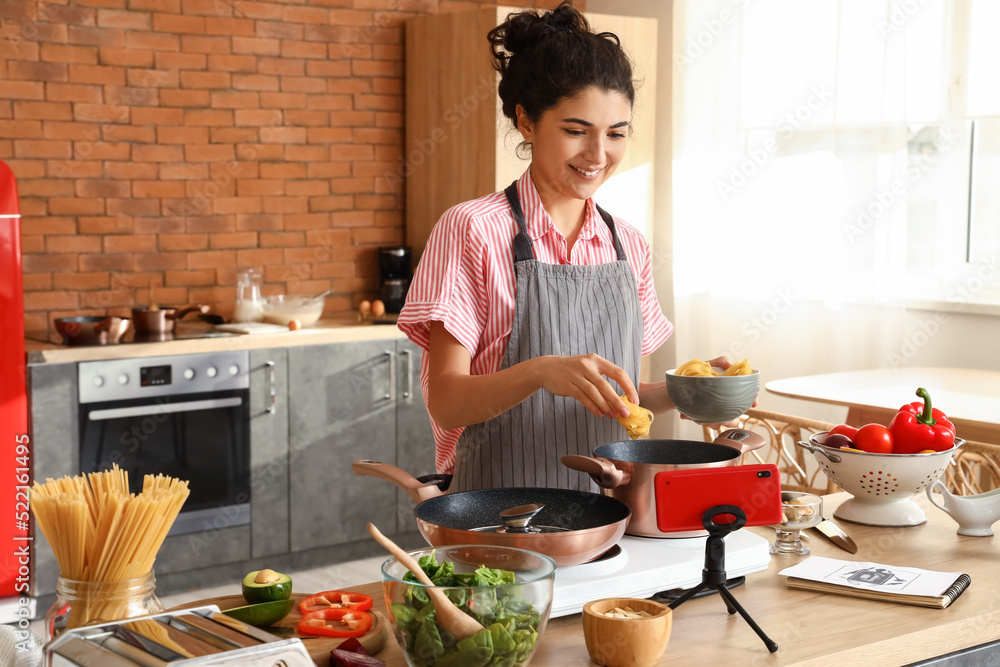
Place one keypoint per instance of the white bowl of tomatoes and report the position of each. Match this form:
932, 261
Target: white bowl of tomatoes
882, 483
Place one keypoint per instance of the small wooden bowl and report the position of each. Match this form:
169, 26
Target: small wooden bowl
626, 642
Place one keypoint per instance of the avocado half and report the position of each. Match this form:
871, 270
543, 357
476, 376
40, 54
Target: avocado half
266, 586
261, 614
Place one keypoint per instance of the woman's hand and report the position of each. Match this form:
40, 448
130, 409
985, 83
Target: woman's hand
585, 378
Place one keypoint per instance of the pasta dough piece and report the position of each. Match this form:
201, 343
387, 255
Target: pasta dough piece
742, 368
638, 421
696, 367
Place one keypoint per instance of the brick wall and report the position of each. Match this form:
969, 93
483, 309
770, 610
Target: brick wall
173, 142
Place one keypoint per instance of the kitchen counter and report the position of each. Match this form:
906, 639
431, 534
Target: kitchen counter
324, 331
816, 629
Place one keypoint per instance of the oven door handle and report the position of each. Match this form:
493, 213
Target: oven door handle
164, 408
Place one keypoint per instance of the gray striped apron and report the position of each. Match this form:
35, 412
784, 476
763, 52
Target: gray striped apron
561, 310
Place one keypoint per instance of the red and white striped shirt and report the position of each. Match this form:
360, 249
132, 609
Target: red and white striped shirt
465, 279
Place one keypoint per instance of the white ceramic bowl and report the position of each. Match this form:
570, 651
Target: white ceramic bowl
282, 309
713, 400
882, 485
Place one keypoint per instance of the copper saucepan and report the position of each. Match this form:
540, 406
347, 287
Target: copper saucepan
576, 526
92, 329
626, 470
163, 319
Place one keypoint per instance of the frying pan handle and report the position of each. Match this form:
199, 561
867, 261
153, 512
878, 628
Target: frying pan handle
745, 441
601, 470
179, 314
417, 490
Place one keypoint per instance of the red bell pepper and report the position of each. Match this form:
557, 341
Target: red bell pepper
336, 600
333, 622
918, 427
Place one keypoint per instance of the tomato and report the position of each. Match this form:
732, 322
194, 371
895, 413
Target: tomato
844, 429
874, 438
333, 622
335, 600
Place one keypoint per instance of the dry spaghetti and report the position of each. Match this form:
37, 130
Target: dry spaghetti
638, 421
101, 532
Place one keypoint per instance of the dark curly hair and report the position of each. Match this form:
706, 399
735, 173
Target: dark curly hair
544, 58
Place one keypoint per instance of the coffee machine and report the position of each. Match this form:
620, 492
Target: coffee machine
394, 276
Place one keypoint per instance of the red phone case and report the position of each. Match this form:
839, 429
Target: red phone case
683, 496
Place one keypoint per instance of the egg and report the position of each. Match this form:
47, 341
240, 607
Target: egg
365, 307
294, 325
378, 308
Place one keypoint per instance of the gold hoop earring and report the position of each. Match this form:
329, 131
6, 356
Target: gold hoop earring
523, 150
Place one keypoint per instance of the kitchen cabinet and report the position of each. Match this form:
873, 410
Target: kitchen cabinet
459, 146
269, 451
350, 401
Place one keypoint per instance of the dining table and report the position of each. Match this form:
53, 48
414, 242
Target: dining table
970, 397
818, 629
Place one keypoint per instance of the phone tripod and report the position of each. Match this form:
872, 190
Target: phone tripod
714, 574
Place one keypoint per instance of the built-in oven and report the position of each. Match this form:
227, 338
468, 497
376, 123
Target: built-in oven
186, 416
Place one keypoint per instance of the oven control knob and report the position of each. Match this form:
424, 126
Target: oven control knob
234, 369
98, 381
211, 371
122, 379
188, 373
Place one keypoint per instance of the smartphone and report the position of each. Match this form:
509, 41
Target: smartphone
683, 496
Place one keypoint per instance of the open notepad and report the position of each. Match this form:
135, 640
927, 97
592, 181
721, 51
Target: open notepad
874, 581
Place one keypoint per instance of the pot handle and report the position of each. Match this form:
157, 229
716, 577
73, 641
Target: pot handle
179, 314
604, 473
417, 490
745, 441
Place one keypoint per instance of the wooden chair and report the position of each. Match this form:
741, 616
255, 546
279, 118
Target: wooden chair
976, 469
799, 470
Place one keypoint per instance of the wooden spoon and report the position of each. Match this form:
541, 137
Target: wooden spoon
450, 617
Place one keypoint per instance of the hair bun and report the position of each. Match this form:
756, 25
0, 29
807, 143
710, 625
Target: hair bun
521, 31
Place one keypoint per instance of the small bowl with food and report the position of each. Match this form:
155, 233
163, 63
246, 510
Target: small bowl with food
626, 632
507, 590
710, 395
283, 309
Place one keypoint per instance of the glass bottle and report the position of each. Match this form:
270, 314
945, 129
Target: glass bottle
248, 296
80, 603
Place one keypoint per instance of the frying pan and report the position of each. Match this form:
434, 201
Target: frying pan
92, 329
626, 470
577, 526
162, 320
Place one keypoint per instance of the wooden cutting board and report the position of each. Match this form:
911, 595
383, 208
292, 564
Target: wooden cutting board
319, 647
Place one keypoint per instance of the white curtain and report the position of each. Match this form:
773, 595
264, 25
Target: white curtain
816, 159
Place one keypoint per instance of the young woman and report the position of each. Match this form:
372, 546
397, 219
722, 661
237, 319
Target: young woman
533, 305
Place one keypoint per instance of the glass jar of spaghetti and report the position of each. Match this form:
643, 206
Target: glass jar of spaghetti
80, 603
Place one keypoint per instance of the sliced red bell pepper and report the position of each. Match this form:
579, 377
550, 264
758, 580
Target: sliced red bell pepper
918, 427
336, 600
334, 622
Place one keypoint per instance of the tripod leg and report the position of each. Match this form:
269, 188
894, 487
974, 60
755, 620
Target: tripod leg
687, 596
768, 642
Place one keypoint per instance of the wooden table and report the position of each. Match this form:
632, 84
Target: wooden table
970, 397
814, 629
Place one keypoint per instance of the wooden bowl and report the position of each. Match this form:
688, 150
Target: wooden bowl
626, 642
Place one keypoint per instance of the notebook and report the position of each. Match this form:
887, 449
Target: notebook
875, 581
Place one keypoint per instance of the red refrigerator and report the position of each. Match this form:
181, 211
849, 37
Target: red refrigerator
15, 448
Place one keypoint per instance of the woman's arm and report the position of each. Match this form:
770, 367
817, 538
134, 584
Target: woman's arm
457, 398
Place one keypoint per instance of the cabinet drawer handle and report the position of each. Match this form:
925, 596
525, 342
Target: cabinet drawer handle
409, 374
272, 391
390, 392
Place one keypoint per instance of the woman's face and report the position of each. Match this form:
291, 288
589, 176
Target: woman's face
577, 144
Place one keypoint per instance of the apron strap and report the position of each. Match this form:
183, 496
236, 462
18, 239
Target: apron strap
523, 243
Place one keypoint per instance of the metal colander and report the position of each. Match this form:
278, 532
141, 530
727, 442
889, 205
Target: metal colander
882, 485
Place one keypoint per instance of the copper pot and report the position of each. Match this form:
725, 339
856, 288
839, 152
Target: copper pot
163, 319
92, 329
575, 526
626, 470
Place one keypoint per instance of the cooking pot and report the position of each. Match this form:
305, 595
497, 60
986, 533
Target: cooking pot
92, 329
571, 527
162, 320
625, 470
